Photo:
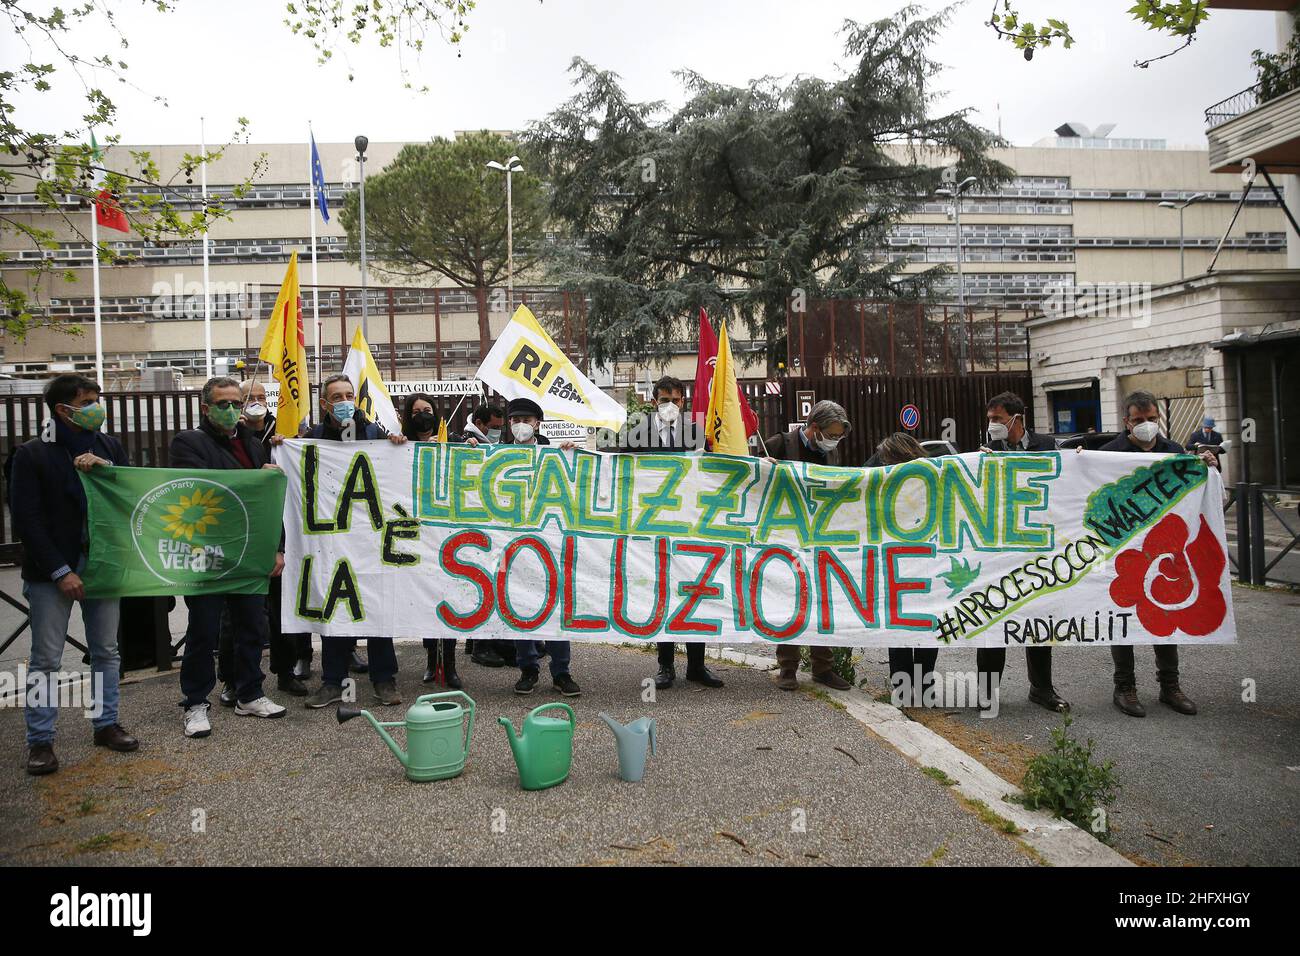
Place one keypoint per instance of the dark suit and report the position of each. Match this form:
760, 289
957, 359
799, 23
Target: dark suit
790, 446
1121, 655
1038, 660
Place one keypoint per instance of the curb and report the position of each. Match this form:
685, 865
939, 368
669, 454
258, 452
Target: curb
1058, 842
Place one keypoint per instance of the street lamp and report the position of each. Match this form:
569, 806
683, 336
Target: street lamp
954, 194
512, 165
361, 143
1180, 206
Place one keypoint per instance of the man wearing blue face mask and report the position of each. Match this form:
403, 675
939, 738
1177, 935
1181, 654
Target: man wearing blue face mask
48, 506
816, 442
341, 420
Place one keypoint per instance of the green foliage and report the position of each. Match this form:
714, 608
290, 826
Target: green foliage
746, 194
437, 209
1066, 781
1277, 73
937, 774
1178, 18
843, 662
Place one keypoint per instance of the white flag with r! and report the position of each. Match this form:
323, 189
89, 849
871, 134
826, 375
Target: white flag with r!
526, 363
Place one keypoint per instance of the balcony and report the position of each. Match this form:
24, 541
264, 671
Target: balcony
1260, 123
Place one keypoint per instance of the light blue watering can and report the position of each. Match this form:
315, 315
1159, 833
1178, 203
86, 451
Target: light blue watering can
632, 740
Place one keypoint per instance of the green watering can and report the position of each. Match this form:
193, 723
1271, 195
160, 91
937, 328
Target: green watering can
544, 750
436, 749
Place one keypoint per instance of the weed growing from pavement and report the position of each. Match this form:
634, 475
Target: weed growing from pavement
939, 775
996, 821
1066, 781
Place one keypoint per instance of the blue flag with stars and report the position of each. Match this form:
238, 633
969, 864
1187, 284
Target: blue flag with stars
318, 181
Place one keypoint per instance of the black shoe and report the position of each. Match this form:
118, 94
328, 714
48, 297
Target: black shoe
302, 668
664, 679
114, 737
1048, 697
1126, 699
527, 681
484, 656
1173, 696
291, 686
228, 696
703, 676
358, 664
41, 760
567, 686
431, 668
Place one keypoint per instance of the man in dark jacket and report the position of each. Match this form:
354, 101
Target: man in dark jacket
816, 442
1205, 435
223, 441
341, 420
668, 430
48, 505
1009, 432
1142, 420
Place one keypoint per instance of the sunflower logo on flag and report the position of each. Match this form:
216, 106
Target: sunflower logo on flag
196, 513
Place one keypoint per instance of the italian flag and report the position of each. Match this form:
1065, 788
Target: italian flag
108, 211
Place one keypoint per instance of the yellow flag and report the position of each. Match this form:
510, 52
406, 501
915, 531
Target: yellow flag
285, 349
442, 431
373, 399
725, 421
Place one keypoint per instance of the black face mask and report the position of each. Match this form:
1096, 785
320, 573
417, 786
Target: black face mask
423, 422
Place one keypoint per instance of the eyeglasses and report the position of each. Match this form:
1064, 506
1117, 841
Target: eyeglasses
228, 404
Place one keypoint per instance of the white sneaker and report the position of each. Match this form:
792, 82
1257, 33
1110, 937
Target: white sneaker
262, 707
196, 721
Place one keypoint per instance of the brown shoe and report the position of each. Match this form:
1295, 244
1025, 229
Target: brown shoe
832, 680
1048, 698
41, 760
1174, 698
789, 680
115, 738
1126, 699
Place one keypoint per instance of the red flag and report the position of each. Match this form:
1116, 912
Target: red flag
704, 364
108, 212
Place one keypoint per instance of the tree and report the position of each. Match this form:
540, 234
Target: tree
1178, 18
746, 195
59, 167
438, 210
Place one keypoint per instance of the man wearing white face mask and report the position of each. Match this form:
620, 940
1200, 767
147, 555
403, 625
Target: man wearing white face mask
257, 414
816, 442
1142, 416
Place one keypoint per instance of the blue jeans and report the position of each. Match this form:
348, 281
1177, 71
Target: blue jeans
526, 656
336, 654
249, 627
50, 612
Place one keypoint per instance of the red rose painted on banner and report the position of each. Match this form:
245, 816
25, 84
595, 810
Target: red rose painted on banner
1174, 585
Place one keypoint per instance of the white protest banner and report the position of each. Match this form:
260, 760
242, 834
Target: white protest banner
526, 363
510, 541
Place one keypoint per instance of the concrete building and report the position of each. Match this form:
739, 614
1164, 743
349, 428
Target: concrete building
1072, 216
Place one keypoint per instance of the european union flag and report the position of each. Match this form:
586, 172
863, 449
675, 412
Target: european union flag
318, 181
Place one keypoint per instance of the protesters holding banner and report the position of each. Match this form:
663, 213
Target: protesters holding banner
1142, 420
1008, 432
420, 423
816, 442
341, 420
223, 441
485, 426
669, 431
911, 670
48, 505
525, 417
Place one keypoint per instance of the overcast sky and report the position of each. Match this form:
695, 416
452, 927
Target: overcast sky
234, 58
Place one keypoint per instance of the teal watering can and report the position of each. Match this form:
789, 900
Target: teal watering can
435, 747
544, 749
632, 740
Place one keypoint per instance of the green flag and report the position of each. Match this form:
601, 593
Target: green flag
168, 531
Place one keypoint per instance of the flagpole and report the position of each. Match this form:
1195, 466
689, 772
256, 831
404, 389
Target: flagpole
94, 271
315, 278
207, 296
